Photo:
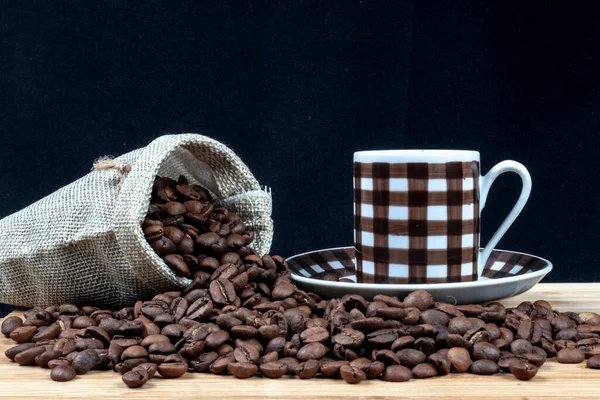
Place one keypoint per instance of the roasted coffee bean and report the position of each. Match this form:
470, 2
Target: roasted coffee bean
291, 363
352, 374
441, 362
134, 352
354, 338
307, 369
594, 362
485, 351
311, 351
522, 370
85, 361
172, 369
23, 334
203, 361
374, 369
242, 370
484, 367
331, 369
274, 369
460, 359
9, 324
411, 357
62, 373
387, 357
135, 378
43, 359
319, 334
382, 337
222, 291
424, 370
11, 352
47, 333
246, 354
570, 356
397, 373
27, 357
83, 322
533, 358
402, 342
521, 346
217, 338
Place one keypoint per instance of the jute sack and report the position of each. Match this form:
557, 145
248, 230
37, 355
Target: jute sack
84, 244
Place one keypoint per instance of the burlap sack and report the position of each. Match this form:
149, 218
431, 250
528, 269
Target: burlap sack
84, 243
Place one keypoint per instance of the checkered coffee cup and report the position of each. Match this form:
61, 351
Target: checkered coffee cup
417, 214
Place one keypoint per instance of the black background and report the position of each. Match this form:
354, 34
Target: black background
296, 87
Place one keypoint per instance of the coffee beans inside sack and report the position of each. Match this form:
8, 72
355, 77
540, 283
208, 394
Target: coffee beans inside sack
241, 315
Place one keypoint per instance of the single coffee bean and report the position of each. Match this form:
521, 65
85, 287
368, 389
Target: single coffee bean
317, 334
9, 324
382, 337
352, 374
172, 369
460, 359
134, 352
349, 338
217, 338
485, 351
570, 356
246, 354
424, 370
484, 367
85, 361
534, 358
522, 370
242, 370
274, 369
311, 351
594, 362
83, 322
521, 346
62, 373
222, 291
177, 264
419, 299
23, 334
411, 357
397, 373
307, 369
135, 378
27, 357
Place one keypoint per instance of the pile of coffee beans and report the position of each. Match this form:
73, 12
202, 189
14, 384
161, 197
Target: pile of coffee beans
241, 315
187, 232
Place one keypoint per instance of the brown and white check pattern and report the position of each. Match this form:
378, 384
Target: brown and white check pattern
416, 222
341, 263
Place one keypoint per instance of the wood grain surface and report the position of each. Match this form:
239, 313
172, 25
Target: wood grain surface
554, 381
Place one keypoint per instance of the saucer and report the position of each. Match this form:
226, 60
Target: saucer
506, 274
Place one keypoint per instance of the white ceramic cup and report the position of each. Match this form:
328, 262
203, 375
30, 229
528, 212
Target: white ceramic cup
417, 214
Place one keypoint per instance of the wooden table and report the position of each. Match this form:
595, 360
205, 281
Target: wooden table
556, 381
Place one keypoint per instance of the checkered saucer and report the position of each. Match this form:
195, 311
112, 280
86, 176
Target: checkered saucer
506, 274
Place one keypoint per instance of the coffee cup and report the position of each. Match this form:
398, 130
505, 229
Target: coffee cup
417, 214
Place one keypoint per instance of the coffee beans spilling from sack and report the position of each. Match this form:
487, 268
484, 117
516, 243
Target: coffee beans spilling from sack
188, 233
241, 315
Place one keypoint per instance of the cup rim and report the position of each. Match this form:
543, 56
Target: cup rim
424, 155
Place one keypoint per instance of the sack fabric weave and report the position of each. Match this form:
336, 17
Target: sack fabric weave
84, 243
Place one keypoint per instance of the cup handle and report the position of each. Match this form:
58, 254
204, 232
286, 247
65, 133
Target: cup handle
484, 187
